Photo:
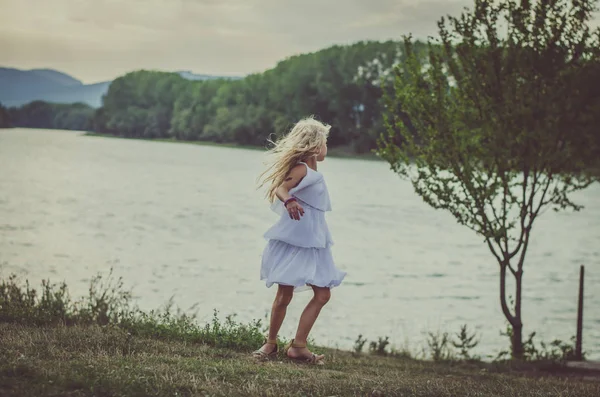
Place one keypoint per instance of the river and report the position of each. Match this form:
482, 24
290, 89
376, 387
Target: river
186, 222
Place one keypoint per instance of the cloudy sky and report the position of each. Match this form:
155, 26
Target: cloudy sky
96, 40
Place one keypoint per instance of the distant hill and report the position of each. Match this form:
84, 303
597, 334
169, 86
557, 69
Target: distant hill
18, 87
56, 77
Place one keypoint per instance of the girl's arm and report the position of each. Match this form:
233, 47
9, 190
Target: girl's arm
291, 181
295, 176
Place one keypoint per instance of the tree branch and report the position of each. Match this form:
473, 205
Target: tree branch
523, 214
505, 309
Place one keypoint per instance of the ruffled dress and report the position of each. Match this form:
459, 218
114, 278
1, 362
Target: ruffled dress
298, 253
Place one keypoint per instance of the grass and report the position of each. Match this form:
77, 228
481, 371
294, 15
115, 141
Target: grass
108, 361
100, 345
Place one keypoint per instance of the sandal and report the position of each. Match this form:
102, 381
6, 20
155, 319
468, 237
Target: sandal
262, 356
313, 359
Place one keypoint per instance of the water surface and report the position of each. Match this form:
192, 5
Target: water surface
185, 221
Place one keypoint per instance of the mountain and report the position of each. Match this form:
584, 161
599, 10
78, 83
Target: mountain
18, 87
56, 76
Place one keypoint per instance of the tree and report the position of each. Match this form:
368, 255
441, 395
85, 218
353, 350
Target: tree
40, 114
494, 126
340, 85
324, 84
139, 105
4, 117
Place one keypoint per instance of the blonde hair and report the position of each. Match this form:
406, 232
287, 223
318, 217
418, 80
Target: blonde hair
305, 140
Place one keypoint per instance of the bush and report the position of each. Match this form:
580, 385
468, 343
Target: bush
439, 346
109, 304
555, 351
380, 346
359, 344
465, 342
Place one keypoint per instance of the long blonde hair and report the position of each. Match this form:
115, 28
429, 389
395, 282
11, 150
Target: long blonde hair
305, 140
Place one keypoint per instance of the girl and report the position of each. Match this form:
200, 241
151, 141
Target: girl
298, 256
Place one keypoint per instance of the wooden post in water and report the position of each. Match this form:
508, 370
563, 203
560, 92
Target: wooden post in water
578, 342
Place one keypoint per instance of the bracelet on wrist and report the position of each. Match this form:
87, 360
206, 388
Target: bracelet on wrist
286, 202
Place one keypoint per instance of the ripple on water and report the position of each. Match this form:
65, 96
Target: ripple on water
356, 284
405, 276
67, 200
442, 297
465, 298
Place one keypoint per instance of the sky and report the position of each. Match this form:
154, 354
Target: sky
98, 40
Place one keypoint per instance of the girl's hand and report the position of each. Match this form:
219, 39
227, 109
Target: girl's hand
295, 210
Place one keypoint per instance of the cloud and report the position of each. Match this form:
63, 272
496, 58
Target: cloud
100, 39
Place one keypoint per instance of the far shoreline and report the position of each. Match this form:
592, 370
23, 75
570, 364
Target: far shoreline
339, 153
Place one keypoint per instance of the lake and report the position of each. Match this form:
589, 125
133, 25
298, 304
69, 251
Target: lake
186, 222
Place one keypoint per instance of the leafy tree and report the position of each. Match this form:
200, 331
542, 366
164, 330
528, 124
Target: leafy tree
4, 117
499, 123
40, 114
36, 114
249, 110
139, 105
193, 109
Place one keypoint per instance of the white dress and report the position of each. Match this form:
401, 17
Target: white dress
298, 253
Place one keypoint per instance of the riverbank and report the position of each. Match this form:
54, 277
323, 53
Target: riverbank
93, 360
339, 152
336, 152
100, 344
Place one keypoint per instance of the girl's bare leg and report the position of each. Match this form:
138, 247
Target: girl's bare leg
282, 300
307, 320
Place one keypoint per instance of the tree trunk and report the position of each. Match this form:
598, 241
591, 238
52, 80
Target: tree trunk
505, 308
517, 338
517, 341
514, 320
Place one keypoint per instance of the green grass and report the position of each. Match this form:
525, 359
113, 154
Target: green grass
108, 361
101, 345
109, 304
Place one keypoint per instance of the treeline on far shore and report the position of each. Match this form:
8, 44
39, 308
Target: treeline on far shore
344, 86
40, 114
341, 85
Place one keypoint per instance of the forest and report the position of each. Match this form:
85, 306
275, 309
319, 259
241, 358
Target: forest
40, 114
341, 85
344, 86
